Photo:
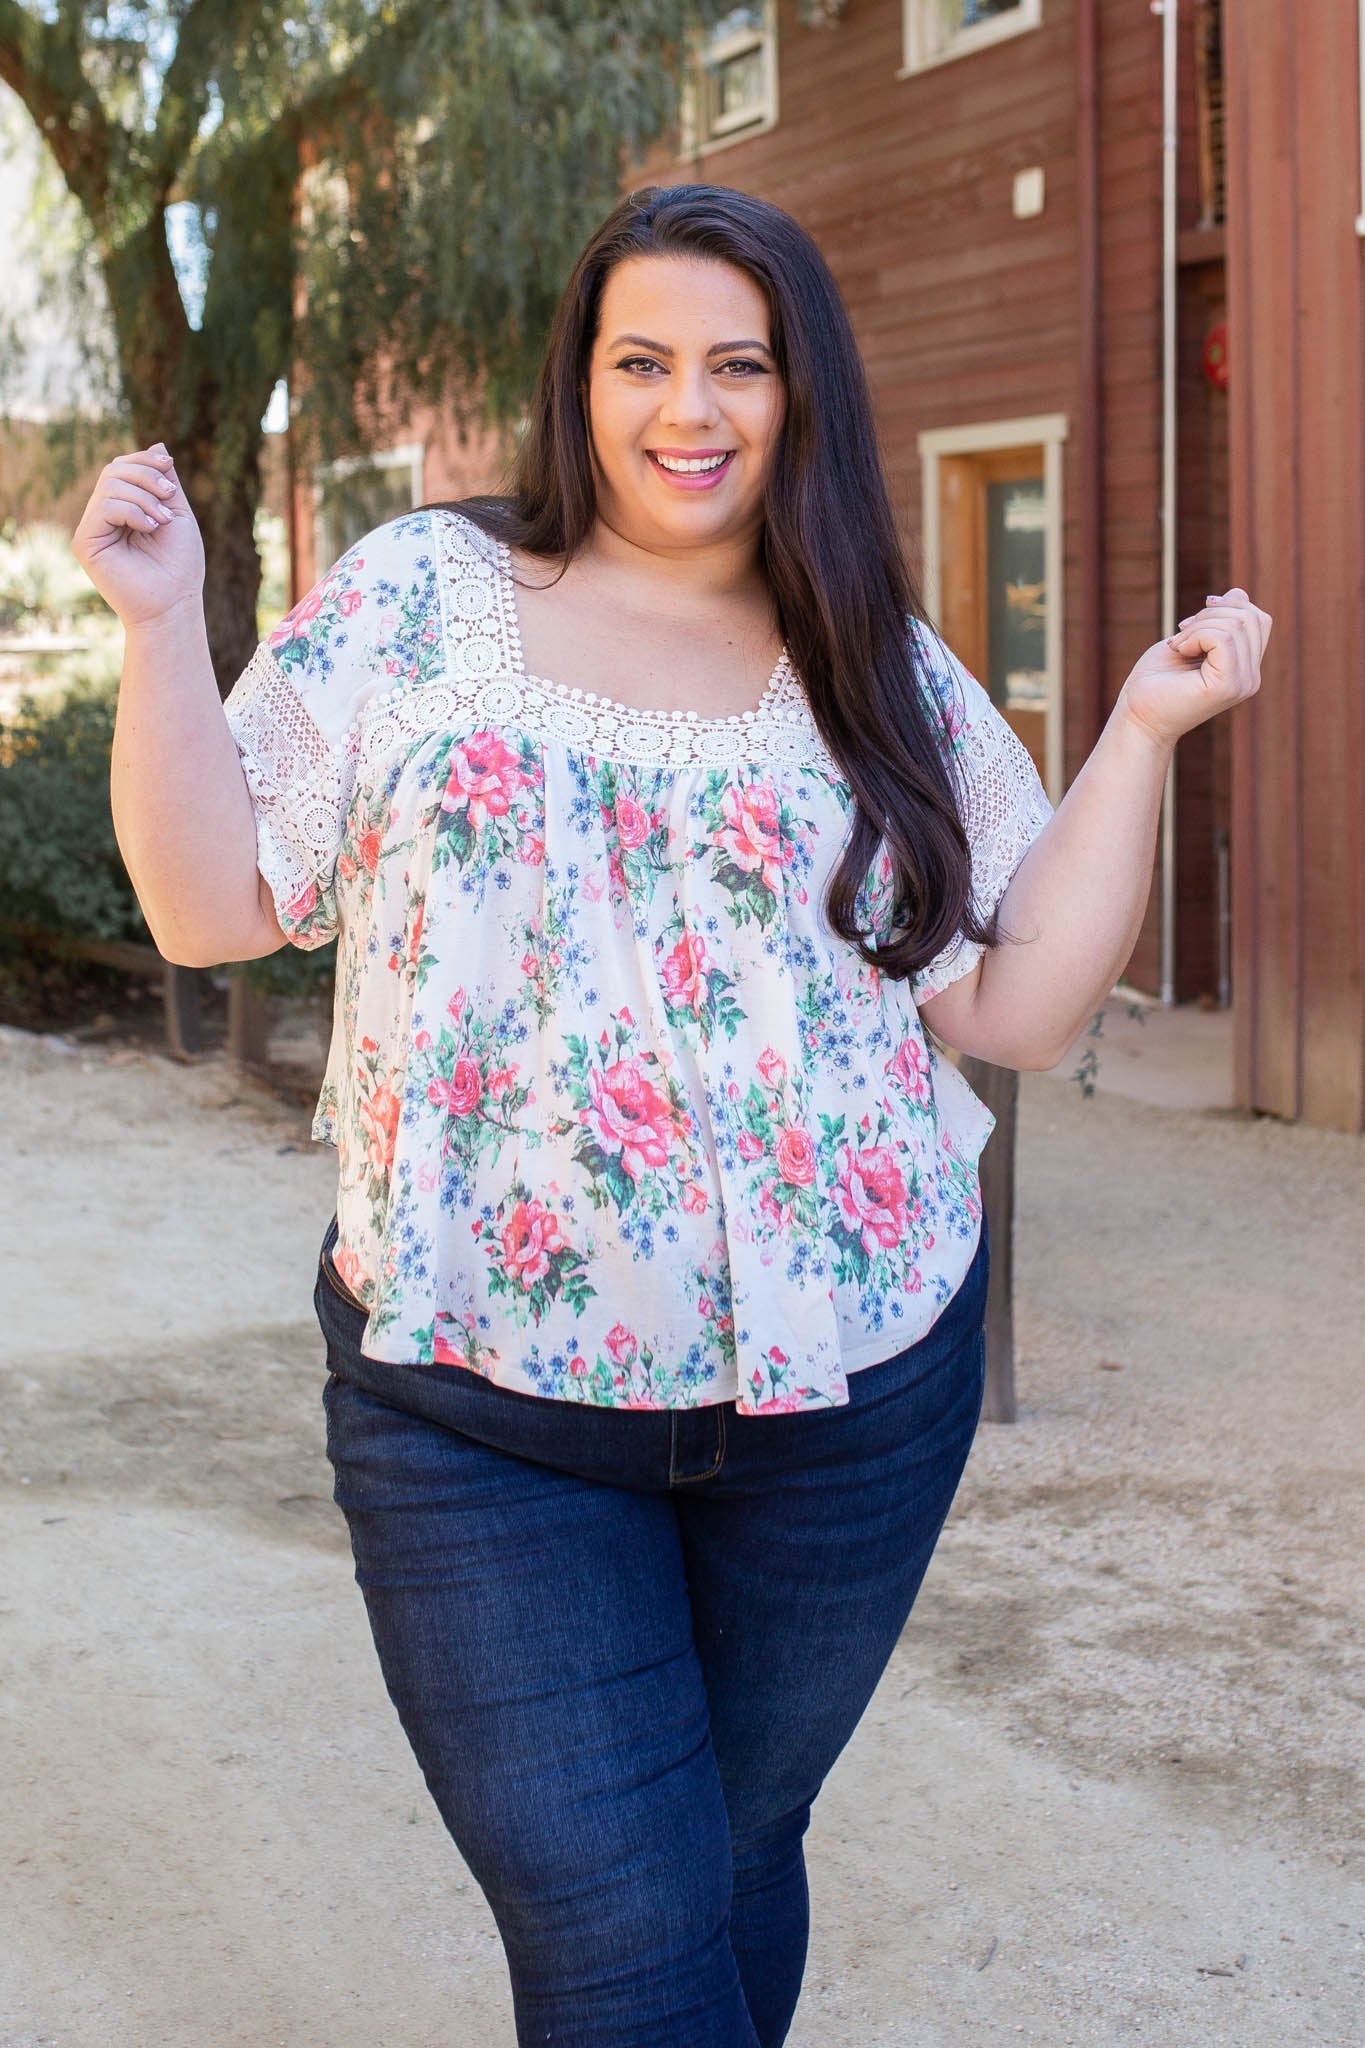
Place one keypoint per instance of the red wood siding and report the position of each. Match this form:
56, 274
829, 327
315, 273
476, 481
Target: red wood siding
965, 314
1298, 488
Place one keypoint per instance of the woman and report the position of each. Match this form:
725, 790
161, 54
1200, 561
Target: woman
656, 826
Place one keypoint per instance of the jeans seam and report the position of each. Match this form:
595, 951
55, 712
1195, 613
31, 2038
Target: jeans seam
690, 1478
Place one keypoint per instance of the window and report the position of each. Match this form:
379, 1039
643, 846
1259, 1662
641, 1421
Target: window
1208, 86
937, 30
992, 568
349, 498
732, 91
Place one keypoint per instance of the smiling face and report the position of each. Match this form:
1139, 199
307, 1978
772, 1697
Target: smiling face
685, 402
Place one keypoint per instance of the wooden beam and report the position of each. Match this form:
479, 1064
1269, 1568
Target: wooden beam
998, 1088
247, 1021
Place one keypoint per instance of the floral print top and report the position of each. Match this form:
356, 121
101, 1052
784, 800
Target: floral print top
619, 1119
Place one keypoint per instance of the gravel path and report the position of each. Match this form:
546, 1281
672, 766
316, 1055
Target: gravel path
1109, 1790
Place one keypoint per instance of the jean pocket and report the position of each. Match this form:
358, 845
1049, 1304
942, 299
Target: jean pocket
327, 1271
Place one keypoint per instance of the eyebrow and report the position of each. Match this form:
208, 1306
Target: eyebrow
718, 348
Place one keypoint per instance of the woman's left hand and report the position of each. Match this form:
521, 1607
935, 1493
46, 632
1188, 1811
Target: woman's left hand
1212, 663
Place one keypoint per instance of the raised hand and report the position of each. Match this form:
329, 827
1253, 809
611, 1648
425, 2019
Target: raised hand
138, 541
1212, 663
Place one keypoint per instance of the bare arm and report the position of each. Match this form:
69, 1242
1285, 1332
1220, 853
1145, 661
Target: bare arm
182, 812
1075, 906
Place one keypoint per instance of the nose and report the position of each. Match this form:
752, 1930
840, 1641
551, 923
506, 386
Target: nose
690, 400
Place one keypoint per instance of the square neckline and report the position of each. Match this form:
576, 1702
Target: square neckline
773, 689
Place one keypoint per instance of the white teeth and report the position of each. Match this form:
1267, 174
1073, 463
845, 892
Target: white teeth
692, 465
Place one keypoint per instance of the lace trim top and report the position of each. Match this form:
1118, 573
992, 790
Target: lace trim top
619, 1118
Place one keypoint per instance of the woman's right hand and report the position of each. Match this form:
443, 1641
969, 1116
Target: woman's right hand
138, 541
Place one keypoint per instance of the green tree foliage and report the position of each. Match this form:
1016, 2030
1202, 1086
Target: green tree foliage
388, 195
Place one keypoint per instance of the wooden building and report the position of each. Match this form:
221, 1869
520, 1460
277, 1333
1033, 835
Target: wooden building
1072, 467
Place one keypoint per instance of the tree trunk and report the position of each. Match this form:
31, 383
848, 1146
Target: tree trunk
226, 510
174, 397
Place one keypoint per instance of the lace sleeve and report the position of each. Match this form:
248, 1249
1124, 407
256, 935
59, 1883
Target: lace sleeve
1004, 803
371, 623
300, 786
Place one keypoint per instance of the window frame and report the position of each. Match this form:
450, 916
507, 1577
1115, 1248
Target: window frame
409, 455
918, 56
708, 51
1048, 431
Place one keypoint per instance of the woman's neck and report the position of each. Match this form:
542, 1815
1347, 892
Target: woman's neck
678, 578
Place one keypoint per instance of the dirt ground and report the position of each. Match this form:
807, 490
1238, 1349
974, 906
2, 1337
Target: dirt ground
1109, 1790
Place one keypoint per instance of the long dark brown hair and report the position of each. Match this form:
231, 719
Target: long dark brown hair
829, 548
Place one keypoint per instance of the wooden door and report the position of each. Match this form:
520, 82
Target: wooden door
993, 584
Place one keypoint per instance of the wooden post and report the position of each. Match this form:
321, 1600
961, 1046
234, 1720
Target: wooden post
998, 1088
182, 990
247, 1018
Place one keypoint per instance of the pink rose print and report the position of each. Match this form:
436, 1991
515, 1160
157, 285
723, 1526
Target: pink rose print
684, 973
349, 1267
629, 1116
485, 775
752, 834
750, 1146
529, 1237
307, 609
305, 902
531, 850
772, 1067
346, 867
871, 1196
633, 822
460, 1094
623, 1345
379, 1113
694, 1199
910, 1068
796, 1156
349, 603
368, 847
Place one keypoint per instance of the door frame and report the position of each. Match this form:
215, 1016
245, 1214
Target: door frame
1048, 431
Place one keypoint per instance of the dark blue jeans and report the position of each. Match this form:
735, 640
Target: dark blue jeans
628, 1645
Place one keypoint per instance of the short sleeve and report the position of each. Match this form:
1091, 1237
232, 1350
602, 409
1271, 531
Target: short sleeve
372, 623
1003, 801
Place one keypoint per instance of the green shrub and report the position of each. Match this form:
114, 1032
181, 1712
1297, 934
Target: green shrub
59, 860
292, 971
60, 866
